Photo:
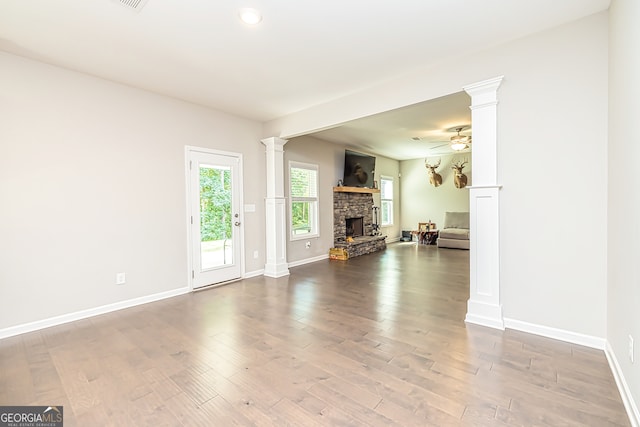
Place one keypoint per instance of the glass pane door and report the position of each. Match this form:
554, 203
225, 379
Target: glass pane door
216, 217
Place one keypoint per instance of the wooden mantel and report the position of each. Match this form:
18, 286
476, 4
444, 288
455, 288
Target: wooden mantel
355, 190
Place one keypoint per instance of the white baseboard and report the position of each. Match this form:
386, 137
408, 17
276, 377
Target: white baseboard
308, 260
254, 273
393, 239
558, 334
484, 321
83, 314
623, 387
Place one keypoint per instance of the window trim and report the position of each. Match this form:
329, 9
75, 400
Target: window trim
315, 227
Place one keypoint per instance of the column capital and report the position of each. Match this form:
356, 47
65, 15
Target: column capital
485, 86
484, 93
274, 143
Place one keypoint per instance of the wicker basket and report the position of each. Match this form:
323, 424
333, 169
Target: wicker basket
338, 253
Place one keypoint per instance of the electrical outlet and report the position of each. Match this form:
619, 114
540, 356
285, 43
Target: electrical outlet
120, 278
307, 245
255, 254
631, 348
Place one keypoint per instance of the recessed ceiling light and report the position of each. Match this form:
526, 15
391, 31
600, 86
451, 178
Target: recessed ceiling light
250, 16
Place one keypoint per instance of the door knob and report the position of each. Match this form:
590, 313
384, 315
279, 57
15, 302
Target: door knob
237, 223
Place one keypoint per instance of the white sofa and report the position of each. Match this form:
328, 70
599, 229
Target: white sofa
455, 232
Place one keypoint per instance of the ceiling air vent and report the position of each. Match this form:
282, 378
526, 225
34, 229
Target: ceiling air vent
133, 4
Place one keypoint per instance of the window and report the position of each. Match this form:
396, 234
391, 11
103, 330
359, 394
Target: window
386, 201
303, 191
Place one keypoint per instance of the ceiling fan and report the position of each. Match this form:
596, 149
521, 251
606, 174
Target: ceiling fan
456, 143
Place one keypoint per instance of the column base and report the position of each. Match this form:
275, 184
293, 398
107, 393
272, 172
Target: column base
276, 270
481, 313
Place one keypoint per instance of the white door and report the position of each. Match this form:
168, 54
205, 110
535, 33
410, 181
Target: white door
214, 216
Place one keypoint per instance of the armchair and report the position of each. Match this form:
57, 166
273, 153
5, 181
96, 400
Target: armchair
455, 233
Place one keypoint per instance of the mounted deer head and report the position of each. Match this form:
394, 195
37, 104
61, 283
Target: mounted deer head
459, 179
434, 178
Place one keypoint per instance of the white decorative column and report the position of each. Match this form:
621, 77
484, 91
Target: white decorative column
484, 306
275, 207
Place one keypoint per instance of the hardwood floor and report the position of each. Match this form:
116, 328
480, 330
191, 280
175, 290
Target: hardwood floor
376, 340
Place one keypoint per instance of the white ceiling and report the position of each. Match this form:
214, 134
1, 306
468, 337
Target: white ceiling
302, 54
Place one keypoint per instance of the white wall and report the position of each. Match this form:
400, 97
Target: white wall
624, 200
421, 201
92, 182
552, 136
552, 120
330, 159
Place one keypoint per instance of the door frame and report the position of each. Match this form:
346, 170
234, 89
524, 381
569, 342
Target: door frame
190, 243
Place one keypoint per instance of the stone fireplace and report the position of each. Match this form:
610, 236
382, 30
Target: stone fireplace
353, 217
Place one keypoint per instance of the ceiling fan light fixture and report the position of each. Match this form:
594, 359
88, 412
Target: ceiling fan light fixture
458, 146
459, 142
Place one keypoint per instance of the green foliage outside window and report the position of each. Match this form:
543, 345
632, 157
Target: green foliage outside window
303, 185
301, 221
386, 214
386, 201
215, 204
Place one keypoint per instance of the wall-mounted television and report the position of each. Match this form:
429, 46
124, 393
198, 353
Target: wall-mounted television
358, 169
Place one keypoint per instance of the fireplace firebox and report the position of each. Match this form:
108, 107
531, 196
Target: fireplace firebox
355, 227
